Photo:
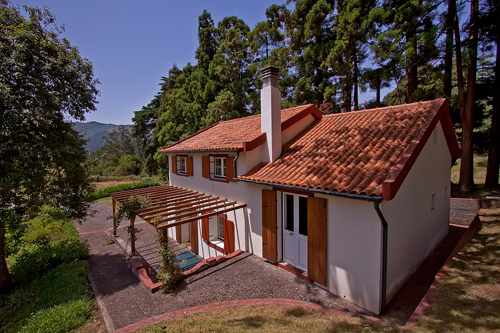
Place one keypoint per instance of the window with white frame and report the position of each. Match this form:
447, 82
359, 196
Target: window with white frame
182, 165
220, 167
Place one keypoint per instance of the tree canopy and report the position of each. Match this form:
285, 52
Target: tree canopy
43, 82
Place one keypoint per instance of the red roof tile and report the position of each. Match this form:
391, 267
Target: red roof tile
229, 134
352, 152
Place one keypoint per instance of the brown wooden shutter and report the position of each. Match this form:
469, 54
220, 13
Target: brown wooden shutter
205, 229
228, 236
229, 169
178, 237
205, 167
189, 165
269, 226
174, 164
194, 237
316, 239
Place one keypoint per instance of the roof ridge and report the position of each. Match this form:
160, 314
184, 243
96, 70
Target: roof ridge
390, 107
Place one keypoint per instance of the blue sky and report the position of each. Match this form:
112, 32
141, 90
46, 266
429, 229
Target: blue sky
132, 44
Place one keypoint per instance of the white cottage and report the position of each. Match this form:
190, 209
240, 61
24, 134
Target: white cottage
356, 200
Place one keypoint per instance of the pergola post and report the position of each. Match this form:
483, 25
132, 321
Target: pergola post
114, 220
132, 234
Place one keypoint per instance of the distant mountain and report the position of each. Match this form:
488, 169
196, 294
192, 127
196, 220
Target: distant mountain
94, 132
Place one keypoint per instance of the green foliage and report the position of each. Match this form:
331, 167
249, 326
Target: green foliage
44, 81
48, 240
119, 156
169, 272
32, 261
47, 226
59, 302
106, 191
127, 208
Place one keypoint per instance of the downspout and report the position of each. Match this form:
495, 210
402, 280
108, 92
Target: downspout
376, 205
235, 174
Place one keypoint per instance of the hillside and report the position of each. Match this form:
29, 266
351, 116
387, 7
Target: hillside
94, 132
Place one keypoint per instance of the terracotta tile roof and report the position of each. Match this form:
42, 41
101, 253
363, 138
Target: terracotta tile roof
229, 134
351, 152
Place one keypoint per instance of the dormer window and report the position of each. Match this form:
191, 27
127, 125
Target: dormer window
220, 167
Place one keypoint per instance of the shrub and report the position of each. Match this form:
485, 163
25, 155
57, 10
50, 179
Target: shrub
35, 260
169, 272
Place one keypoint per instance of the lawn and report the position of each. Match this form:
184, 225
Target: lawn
467, 301
49, 274
480, 163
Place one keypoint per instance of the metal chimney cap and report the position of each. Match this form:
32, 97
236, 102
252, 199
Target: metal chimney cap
269, 71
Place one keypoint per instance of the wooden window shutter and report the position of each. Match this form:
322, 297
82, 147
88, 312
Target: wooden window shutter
316, 239
189, 165
205, 229
194, 237
228, 236
229, 169
269, 226
174, 164
205, 167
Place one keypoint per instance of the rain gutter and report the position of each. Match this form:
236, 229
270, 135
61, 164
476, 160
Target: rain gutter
313, 190
385, 228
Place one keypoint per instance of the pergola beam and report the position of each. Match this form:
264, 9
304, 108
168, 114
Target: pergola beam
176, 217
178, 208
196, 218
168, 202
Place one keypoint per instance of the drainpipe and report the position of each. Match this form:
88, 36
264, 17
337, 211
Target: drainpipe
376, 205
235, 174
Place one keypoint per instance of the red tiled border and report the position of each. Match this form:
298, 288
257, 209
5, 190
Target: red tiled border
255, 302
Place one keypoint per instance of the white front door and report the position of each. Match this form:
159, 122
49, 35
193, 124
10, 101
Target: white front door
295, 230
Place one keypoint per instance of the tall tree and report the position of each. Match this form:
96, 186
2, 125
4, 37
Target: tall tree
490, 31
353, 28
43, 79
409, 39
466, 182
311, 38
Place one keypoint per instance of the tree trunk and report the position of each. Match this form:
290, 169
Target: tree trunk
466, 184
448, 57
4, 270
411, 70
378, 83
356, 73
319, 80
494, 151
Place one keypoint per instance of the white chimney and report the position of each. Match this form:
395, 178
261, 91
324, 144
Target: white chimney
270, 112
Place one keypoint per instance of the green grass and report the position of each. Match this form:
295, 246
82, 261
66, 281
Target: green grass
49, 277
58, 302
480, 163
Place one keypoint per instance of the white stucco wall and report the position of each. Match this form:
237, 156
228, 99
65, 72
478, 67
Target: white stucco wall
414, 228
296, 128
249, 219
354, 251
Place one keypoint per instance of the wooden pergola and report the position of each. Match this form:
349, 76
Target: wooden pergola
175, 206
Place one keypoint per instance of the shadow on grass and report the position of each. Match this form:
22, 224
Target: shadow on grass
469, 298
